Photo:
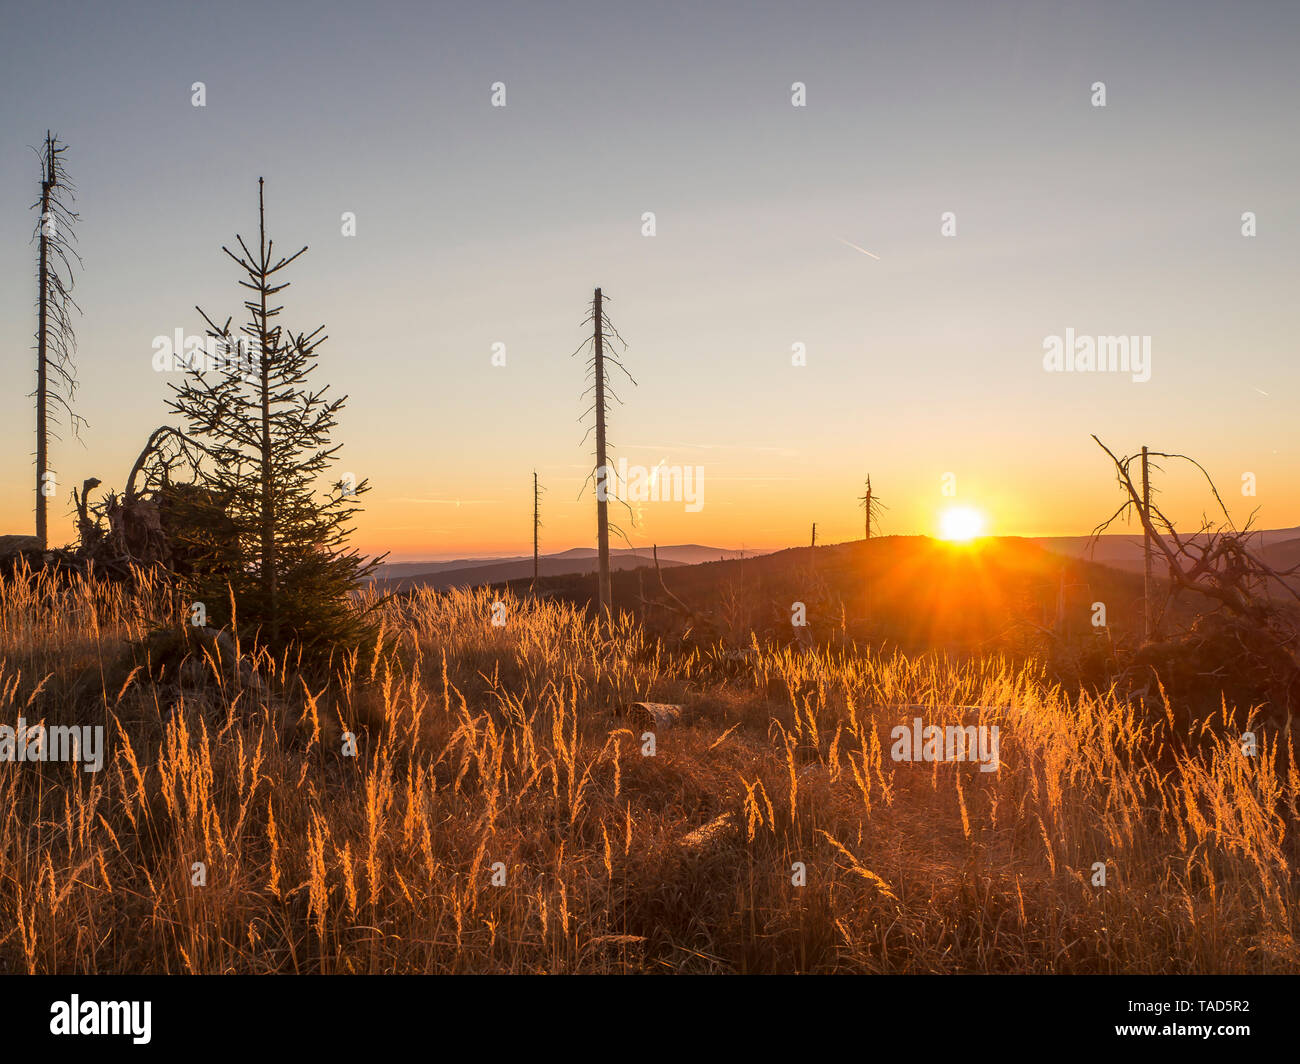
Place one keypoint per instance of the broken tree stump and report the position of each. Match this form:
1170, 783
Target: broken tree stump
652, 716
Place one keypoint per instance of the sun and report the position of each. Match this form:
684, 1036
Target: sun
961, 524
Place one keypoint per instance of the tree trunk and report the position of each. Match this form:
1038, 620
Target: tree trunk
602, 472
42, 384
1146, 550
268, 504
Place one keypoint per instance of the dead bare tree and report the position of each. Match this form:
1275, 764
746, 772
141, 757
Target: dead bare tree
871, 507
1219, 562
701, 627
603, 333
136, 534
56, 344
1216, 560
537, 524
1147, 627
166, 449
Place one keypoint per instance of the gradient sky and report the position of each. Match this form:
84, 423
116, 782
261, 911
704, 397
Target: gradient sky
478, 225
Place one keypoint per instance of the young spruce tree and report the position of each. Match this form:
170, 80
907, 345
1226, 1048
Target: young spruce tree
265, 433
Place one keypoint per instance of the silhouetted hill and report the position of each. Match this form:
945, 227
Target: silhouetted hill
473, 572
1279, 548
1125, 549
516, 570
910, 591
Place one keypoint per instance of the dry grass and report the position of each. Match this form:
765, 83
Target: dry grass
479, 744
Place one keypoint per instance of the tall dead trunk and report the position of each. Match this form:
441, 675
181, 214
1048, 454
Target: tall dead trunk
604, 341
42, 348
56, 342
537, 524
603, 473
1146, 549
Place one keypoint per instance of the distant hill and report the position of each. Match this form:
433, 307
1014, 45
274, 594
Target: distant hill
579, 560
917, 592
911, 592
1278, 547
1283, 554
1125, 549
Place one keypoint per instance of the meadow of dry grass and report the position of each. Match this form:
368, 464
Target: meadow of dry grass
480, 744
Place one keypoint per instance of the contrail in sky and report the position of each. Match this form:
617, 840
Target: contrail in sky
856, 248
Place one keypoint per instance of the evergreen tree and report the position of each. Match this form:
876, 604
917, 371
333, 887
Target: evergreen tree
265, 434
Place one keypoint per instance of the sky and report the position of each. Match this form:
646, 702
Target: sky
775, 225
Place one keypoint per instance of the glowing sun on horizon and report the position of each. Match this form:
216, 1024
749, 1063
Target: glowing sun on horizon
961, 524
